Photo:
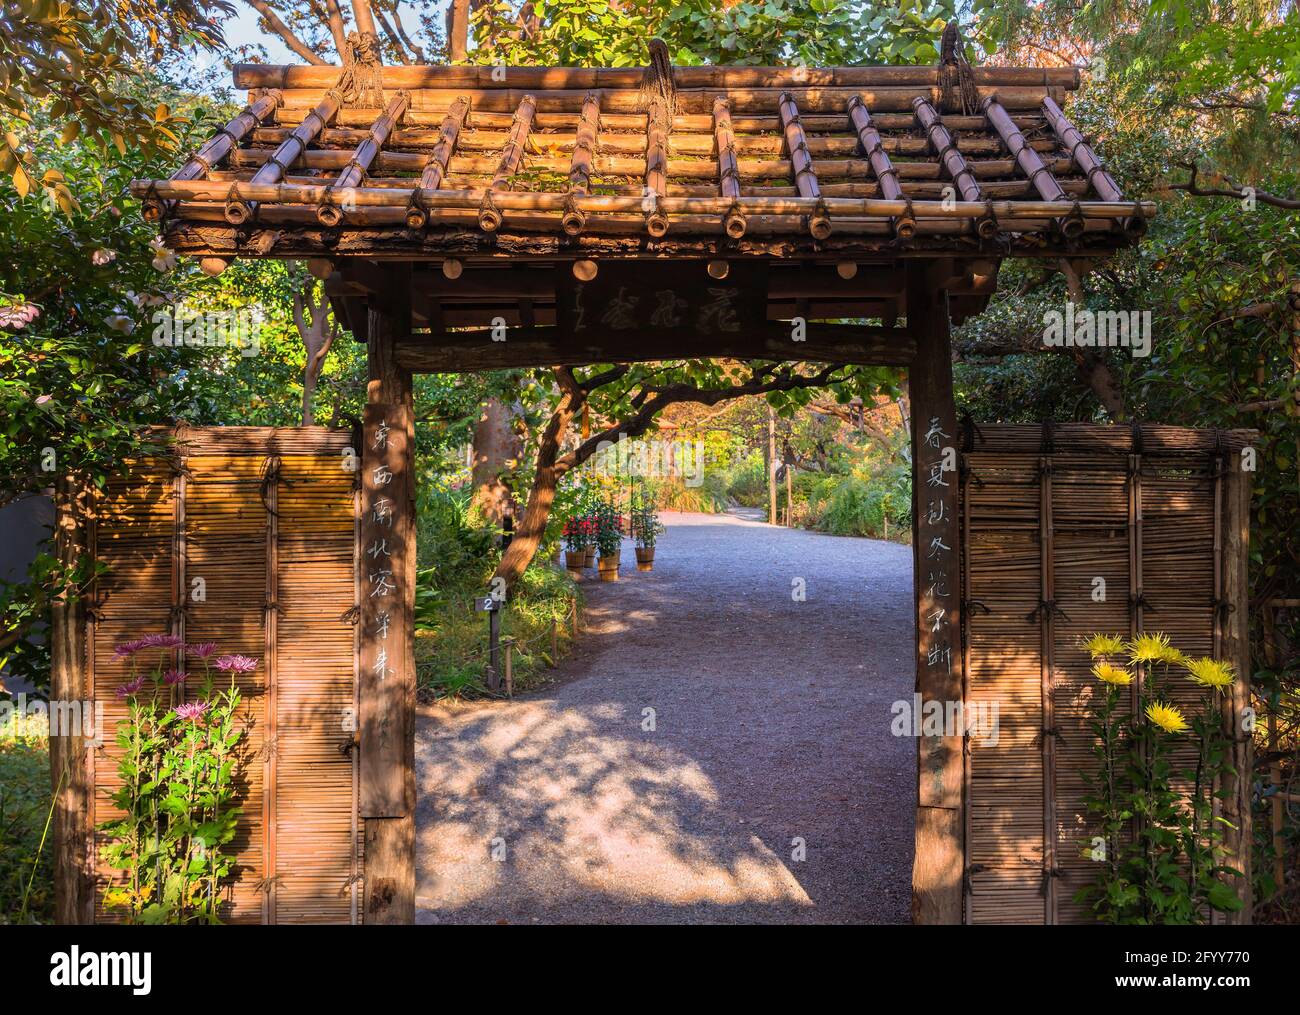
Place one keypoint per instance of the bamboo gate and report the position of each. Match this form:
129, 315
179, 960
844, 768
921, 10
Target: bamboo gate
625, 215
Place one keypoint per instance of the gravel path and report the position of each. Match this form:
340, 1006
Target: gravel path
770, 729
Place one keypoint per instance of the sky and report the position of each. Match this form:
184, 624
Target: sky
242, 30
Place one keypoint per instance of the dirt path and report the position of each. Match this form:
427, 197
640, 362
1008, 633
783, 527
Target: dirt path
770, 729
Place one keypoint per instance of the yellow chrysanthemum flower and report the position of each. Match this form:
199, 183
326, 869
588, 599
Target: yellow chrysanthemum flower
1153, 648
1111, 674
1104, 645
1167, 717
1210, 672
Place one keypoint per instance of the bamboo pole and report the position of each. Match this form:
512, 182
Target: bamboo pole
656, 167
805, 176
728, 171
689, 169
249, 75
869, 138
422, 124
237, 211
393, 197
946, 148
1028, 161
1086, 159
489, 218
328, 213
435, 169
584, 153
217, 148
699, 101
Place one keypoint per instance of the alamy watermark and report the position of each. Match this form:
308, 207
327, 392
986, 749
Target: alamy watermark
935, 718
653, 459
179, 326
24, 716
1079, 327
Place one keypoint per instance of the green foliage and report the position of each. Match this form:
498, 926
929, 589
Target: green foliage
179, 769
26, 853
589, 33
79, 63
456, 560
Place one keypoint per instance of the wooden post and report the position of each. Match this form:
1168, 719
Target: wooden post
387, 664
1238, 834
771, 466
936, 538
69, 771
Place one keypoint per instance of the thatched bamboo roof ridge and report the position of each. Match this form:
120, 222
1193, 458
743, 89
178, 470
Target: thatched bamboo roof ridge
423, 163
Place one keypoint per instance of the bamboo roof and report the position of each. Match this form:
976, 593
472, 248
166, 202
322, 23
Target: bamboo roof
422, 163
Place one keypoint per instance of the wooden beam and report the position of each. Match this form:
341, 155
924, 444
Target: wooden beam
387, 652
1237, 787
463, 351
936, 551
434, 171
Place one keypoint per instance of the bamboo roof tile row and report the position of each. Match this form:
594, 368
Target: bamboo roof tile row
423, 161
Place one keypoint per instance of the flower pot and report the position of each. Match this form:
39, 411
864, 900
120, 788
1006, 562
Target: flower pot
609, 569
574, 560
590, 554
645, 558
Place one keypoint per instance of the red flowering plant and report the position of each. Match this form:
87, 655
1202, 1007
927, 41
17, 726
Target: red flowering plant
178, 796
579, 532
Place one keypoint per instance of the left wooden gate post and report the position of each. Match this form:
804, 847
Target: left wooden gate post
387, 590
69, 770
936, 556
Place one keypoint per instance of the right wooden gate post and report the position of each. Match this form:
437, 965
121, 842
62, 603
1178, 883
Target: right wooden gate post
936, 556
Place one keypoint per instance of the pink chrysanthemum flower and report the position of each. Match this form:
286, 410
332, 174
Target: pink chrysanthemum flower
236, 664
130, 687
191, 710
173, 677
202, 650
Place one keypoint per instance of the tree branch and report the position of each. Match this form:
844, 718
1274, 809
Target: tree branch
1232, 190
276, 25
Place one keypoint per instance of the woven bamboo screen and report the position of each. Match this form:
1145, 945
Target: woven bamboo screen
266, 519
1047, 511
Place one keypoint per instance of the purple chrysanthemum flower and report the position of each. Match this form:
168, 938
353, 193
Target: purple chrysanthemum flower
173, 677
191, 710
162, 641
202, 650
128, 648
236, 664
130, 687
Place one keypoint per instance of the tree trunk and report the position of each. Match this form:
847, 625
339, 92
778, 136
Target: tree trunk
528, 533
497, 449
458, 30
316, 328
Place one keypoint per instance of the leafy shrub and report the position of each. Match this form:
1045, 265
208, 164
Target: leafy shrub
25, 796
457, 559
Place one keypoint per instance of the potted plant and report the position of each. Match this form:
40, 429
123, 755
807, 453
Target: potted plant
590, 523
647, 528
575, 549
609, 541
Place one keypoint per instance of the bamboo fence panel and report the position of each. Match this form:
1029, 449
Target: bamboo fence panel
1047, 511
267, 519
